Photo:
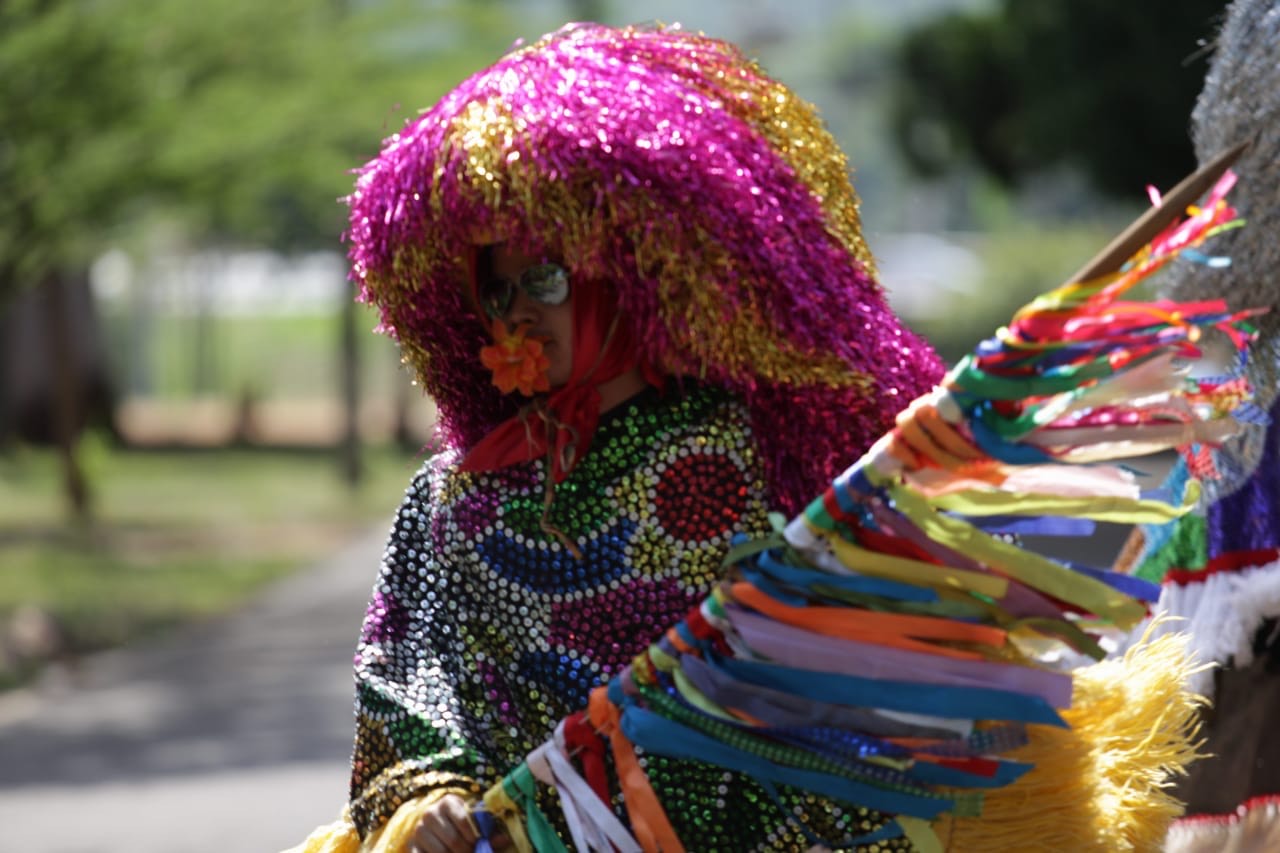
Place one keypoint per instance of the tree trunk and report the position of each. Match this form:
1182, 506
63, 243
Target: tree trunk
349, 452
204, 368
66, 414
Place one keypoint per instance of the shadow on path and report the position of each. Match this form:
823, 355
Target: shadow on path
258, 699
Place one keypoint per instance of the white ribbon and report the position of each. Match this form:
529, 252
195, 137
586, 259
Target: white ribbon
608, 830
592, 824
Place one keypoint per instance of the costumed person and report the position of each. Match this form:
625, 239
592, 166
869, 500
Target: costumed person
589, 629
1220, 566
627, 266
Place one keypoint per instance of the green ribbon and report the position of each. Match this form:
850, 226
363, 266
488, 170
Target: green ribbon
969, 379
522, 789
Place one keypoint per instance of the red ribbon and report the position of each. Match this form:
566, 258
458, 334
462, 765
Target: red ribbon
587, 746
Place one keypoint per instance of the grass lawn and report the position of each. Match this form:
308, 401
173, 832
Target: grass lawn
175, 536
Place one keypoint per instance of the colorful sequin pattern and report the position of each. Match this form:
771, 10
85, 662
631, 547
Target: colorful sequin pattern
484, 630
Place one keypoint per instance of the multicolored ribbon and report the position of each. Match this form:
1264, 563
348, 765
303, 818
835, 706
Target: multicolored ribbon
888, 649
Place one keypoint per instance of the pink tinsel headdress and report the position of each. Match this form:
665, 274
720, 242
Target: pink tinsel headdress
672, 166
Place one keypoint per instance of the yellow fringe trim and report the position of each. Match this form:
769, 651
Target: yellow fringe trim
1101, 785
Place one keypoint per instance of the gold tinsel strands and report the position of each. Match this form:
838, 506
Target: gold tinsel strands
495, 178
796, 132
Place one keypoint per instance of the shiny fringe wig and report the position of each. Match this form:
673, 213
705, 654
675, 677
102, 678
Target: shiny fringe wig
672, 167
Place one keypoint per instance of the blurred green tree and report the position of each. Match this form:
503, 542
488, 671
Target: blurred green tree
239, 119
1105, 87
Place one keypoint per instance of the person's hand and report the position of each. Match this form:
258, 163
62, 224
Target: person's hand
446, 827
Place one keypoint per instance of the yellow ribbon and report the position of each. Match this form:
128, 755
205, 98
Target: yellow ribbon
1031, 569
1116, 508
916, 572
921, 835
503, 808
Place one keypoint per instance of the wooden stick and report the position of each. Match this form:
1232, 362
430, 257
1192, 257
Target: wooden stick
1151, 223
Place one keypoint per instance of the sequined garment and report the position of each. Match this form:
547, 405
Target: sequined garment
484, 630
1248, 519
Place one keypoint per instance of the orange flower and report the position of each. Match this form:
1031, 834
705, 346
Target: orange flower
517, 362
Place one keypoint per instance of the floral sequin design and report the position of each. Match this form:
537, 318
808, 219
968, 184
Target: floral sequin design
484, 630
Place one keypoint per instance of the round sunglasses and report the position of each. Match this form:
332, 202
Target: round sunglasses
547, 284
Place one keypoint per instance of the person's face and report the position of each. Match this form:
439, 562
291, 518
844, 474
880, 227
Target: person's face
552, 323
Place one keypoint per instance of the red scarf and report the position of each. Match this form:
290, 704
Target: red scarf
561, 425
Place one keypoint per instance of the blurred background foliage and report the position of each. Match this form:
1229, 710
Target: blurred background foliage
239, 118
1101, 87
181, 365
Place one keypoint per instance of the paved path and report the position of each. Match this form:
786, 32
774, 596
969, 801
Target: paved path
231, 736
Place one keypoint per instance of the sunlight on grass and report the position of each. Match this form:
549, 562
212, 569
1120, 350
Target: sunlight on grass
175, 535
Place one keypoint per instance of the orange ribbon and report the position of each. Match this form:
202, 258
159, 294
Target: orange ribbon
649, 821
924, 436
896, 630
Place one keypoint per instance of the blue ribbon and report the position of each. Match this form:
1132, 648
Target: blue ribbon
972, 703
686, 633
839, 745
1130, 585
656, 734
1213, 261
1006, 773
819, 739
487, 825
994, 446
1044, 525
796, 576
850, 485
